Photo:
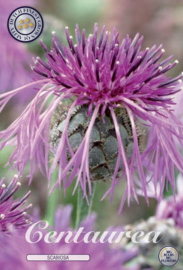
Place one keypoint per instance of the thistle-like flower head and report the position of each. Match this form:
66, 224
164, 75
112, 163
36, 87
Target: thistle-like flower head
102, 72
109, 80
11, 211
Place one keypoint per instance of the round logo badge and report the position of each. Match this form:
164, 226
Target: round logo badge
25, 24
168, 256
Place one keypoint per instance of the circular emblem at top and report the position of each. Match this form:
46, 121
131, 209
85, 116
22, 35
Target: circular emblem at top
25, 24
168, 256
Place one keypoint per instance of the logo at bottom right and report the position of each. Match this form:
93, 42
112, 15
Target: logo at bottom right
168, 256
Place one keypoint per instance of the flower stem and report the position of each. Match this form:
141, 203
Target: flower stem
83, 209
52, 202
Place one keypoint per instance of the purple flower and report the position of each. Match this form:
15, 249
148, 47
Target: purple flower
11, 211
15, 70
105, 77
102, 256
172, 206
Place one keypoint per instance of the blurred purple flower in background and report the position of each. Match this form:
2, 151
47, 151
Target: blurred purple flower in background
172, 206
11, 211
102, 256
104, 78
15, 58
